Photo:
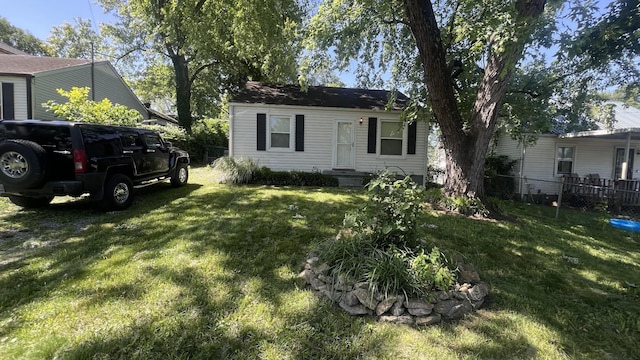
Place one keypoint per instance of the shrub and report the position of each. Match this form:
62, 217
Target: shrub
380, 242
266, 176
498, 181
229, 170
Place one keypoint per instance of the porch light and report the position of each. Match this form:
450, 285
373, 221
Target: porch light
360, 121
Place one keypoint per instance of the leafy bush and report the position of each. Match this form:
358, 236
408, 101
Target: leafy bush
266, 176
208, 138
81, 109
229, 170
379, 243
498, 181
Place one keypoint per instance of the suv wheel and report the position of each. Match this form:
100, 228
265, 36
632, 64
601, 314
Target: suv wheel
180, 176
22, 163
30, 202
118, 192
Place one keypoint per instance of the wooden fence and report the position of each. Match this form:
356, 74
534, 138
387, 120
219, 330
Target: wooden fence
618, 192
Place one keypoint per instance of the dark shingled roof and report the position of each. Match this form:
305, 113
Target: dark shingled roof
259, 93
30, 65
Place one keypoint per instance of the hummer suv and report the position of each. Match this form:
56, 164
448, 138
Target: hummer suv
40, 159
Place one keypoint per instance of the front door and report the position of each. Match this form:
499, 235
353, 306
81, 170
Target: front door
620, 161
344, 145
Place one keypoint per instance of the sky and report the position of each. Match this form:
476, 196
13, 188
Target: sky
39, 16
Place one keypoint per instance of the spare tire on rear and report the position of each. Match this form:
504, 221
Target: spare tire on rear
22, 163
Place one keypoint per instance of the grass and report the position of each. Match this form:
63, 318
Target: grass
209, 271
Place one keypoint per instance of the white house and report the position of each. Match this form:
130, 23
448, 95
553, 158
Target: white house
330, 130
598, 154
29, 81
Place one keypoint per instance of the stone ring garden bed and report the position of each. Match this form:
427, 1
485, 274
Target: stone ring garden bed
356, 299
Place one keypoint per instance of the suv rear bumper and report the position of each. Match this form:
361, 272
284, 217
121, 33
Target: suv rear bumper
84, 183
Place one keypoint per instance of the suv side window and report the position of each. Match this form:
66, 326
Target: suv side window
153, 141
49, 137
131, 140
101, 141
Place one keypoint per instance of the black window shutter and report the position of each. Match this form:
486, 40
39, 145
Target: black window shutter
262, 132
7, 101
372, 137
411, 143
299, 132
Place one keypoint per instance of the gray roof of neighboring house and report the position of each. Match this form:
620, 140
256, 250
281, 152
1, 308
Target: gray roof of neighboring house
626, 116
627, 124
259, 93
7, 49
30, 65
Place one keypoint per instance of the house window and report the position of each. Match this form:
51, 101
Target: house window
280, 131
391, 137
565, 156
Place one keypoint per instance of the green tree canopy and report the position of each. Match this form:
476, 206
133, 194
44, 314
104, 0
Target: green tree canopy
474, 65
212, 46
20, 39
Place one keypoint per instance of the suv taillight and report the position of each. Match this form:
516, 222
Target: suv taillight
80, 160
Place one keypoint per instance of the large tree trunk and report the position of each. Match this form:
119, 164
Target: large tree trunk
183, 88
466, 144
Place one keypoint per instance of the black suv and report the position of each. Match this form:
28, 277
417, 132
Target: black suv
40, 159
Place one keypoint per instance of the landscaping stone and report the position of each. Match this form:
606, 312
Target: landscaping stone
478, 292
322, 268
351, 299
459, 310
418, 311
397, 319
418, 304
365, 298
428, 320
356, 298
385, 305
398, 308
354, 310
443, 307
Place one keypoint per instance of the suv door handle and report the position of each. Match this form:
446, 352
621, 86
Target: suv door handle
127, 151
150, 151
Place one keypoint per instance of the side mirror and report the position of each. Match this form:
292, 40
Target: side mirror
168, 144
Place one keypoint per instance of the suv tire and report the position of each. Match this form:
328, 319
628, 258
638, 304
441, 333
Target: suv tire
30, 202
181, 175
22, 163
118, 192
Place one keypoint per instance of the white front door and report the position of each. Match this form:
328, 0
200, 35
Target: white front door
344, 157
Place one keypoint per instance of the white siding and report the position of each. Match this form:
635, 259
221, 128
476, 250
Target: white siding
108, 84
19, 95
591, 156
319, 141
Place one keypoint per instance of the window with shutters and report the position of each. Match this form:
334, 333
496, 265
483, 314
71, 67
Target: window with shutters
392, 138
280, 132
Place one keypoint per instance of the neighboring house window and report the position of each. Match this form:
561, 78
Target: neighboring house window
392, 137
565, 157
280, 131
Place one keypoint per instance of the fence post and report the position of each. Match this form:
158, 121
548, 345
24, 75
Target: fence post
560, 196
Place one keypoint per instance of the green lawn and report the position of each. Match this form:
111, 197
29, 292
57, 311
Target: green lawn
210, 271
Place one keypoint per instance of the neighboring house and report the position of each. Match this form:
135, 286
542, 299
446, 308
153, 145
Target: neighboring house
598, 154
330, 130
29, 81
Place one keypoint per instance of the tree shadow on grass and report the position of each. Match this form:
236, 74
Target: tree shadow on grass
529, 266
231, 291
